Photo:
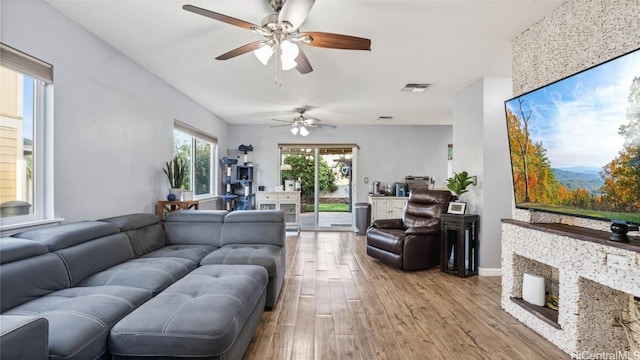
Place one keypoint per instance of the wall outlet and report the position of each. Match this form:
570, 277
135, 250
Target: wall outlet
617, 261
366, 180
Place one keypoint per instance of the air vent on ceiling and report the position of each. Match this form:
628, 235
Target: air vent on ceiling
385, 117
415, 87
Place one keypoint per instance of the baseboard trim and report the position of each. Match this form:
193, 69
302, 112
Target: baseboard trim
489, 271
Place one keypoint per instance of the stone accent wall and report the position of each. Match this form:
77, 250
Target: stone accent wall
577, 35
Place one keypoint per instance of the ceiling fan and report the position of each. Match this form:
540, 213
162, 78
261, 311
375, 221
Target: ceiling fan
300, 124
281, 36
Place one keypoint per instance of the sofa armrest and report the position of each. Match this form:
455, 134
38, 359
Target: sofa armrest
24, 337
388, 224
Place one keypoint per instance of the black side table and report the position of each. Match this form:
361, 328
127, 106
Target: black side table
453, 229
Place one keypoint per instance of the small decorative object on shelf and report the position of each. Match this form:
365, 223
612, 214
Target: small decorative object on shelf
171, 197
457, 207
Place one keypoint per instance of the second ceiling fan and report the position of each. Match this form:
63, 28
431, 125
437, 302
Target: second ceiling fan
300, 124
281, 35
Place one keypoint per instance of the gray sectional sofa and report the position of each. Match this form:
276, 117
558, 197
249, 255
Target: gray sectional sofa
128, 287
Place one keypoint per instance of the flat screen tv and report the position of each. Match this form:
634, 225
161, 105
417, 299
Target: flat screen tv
575, 143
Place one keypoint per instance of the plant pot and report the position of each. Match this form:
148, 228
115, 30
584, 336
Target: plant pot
177, 193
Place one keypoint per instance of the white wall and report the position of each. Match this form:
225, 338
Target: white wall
480, 147
113, 119
387, 153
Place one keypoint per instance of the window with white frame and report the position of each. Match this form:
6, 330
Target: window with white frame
198, 149
26, 132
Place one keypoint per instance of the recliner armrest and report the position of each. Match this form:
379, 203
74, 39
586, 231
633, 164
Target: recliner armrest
423, 230
388, 224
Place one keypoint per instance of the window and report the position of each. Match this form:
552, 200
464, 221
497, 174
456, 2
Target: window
26, 182
198, 149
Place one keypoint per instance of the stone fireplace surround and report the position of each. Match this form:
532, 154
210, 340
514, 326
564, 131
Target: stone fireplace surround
572, 254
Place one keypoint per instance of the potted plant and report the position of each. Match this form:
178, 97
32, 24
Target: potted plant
459, 182
175, 170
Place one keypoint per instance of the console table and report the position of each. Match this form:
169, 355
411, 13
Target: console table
169, 206
453, 229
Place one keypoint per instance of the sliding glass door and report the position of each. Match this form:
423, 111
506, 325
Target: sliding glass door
324, 175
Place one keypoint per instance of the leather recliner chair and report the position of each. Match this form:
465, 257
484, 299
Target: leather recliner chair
413, 242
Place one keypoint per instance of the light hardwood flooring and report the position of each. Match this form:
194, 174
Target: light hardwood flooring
338, 303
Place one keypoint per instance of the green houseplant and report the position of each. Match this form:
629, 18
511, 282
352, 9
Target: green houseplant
459, 182
175, 170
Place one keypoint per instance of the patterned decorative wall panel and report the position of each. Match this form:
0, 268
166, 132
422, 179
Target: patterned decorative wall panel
577, 35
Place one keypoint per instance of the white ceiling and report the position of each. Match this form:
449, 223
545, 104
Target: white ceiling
448, 43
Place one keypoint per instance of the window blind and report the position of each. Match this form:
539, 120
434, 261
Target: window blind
23, 63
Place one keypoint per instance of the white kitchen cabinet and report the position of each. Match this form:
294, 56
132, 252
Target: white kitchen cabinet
387, 207
287, 201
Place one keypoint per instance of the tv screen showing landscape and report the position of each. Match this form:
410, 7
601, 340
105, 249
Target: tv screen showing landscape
575, 143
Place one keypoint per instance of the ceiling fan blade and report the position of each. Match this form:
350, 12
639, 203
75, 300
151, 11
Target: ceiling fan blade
241, 50
220, 17
295, 12
303, 65
287, 121
315, 123
325, 126
275, 126
337, 41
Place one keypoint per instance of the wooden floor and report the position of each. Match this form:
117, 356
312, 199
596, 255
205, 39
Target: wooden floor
338, 303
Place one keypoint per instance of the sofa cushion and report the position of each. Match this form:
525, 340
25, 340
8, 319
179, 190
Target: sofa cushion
144, 231
153, 274
194, 253
12, 249
28, 279
132, 221
254, 227
80, 318
88, 258
267, 256
65, 235
194, 227
200, 315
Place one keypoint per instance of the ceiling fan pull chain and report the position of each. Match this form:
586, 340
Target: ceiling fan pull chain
278, 62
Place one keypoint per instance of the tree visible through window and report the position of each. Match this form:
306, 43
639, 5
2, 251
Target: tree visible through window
198, 151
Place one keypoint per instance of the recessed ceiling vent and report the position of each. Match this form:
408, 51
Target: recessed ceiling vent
416, 88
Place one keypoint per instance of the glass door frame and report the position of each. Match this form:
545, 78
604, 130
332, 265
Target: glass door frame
316, 191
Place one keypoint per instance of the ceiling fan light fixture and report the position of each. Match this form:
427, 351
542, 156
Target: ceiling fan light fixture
263, 53
294, 130
288, 64
304, 131
289, 50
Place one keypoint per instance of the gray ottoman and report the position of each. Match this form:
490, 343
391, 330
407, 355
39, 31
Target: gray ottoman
211, 313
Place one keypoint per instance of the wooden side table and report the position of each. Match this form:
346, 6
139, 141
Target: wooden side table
169, 206
453, 230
